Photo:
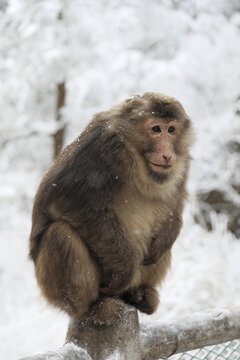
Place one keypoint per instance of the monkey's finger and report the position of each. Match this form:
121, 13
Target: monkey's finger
149, 261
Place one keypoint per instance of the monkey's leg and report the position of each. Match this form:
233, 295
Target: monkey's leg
143, 297
67, 275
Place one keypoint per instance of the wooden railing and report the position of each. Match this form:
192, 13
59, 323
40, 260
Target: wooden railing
127, 340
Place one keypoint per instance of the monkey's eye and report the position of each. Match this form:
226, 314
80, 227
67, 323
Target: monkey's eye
171, 129
156, 129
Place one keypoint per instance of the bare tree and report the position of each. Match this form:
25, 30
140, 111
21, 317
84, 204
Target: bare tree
59, 135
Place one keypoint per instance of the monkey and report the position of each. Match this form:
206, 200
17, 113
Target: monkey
108, 211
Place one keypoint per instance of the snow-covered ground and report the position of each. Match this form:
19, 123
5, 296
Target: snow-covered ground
105, 52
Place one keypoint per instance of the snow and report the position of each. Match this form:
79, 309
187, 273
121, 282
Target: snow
106, 52
68, 351
115, 356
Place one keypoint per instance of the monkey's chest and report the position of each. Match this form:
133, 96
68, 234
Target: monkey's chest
140, 219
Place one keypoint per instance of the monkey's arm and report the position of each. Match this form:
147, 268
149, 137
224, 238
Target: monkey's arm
164, 239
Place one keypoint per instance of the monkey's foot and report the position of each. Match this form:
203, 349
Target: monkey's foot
106, 311
144, 298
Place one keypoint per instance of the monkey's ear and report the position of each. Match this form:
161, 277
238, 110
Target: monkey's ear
187, 122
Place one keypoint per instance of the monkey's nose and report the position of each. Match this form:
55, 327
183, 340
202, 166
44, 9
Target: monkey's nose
166, 157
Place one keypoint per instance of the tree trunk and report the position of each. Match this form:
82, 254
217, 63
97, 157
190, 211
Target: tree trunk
120, 340
59, 135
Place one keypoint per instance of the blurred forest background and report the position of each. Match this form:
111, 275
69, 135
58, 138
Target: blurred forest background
61, 61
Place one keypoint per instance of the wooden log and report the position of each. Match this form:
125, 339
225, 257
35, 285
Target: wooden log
118, 341
165, 338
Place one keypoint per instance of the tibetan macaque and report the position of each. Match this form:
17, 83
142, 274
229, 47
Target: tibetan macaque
108, 211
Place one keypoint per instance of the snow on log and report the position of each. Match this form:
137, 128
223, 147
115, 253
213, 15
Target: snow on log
67, 352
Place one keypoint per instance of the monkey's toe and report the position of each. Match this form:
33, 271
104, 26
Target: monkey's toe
144, 298
150, 301
106, 311
133, 296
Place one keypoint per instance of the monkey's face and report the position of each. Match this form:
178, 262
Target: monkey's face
161, 157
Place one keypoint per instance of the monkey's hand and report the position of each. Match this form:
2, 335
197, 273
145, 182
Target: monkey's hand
150, 260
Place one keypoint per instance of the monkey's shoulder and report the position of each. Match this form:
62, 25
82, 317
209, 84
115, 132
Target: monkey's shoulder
87, 173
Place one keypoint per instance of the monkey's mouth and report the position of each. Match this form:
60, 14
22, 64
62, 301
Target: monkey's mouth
165, 167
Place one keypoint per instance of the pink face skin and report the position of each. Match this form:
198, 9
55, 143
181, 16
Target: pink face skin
163, 134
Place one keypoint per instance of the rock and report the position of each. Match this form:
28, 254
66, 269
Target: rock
217, 201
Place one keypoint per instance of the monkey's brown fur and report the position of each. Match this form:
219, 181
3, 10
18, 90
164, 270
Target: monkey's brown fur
103, 221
